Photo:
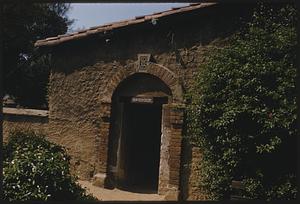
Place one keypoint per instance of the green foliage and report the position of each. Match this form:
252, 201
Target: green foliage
26, 69
36, 169
243, 111
284, 188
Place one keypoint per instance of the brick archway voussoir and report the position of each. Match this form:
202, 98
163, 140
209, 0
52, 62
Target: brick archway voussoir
160, 71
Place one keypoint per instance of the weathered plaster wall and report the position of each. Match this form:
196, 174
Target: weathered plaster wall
190, 174
79, 139
82, 70
24, 119
63, 133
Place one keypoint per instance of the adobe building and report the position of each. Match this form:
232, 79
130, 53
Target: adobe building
117, 97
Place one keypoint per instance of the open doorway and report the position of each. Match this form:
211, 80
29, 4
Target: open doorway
135, 133
141, 132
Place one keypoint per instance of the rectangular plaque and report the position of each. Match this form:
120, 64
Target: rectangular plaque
143, 60
141, 100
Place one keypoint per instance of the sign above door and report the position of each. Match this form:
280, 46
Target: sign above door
141, 100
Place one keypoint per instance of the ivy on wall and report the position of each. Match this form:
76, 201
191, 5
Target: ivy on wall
243, 109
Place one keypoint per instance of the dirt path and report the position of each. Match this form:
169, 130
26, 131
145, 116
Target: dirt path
117, 194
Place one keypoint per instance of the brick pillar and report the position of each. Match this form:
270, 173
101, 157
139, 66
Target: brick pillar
169, 175
100, 179
164, 151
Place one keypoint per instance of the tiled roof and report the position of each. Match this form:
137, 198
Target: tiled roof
108, 27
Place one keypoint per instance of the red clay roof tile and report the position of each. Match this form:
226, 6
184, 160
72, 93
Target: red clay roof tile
51, 41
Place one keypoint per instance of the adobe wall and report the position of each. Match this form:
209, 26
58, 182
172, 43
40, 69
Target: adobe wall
82, 70
38, 121
25, 119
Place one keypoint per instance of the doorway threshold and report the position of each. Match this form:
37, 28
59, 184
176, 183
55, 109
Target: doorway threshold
116, 194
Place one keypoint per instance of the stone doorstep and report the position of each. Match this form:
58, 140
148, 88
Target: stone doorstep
99, 180
172, 195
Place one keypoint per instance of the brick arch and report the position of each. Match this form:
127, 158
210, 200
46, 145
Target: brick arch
160, 71
172, 123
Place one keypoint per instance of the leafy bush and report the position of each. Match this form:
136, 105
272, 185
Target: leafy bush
36, 169
243, 111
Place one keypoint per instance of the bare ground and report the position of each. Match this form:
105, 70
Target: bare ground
117, 194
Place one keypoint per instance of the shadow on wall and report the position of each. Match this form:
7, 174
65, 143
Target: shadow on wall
170, 35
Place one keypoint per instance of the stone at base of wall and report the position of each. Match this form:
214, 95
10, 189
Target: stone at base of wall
172, 195
100, 180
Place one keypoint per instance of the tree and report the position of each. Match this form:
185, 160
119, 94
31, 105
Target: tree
243, 115
26, 70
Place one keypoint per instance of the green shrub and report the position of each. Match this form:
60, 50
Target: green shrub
243, 111
36, 169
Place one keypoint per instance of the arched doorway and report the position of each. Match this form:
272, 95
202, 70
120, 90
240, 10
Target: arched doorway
135, 133
140, 93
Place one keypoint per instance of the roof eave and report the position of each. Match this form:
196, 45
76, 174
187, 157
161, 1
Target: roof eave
54, 41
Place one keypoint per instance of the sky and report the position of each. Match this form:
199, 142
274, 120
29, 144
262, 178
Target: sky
87, 15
